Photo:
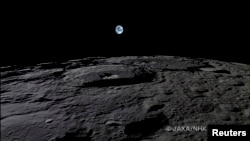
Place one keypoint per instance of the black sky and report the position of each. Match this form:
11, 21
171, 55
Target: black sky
61, 33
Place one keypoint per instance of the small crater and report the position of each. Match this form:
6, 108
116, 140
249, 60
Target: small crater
72, 137
204, 67
23, 98
78, 135
3, 91
208, 69
42, 99
72, 65
49, 120
9, 74
206, 108
228, 89
222, 71
146, 126
110, 76
156, 107
193, 69
105, 75
17, 99
239, 84
168, 92
113, 123
50, 65
198, 89
202, 91
228, 107
238, 76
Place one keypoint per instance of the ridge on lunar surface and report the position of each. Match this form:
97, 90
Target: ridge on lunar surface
122, 98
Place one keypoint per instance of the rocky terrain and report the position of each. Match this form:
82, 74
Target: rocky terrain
122, 98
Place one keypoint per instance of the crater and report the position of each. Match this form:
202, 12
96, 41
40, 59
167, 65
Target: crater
146, 126
156, 107
77, 135
108, 75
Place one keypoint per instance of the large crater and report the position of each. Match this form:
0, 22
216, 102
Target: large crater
108, 75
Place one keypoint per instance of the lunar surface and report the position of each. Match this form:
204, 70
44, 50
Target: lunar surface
122, 98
